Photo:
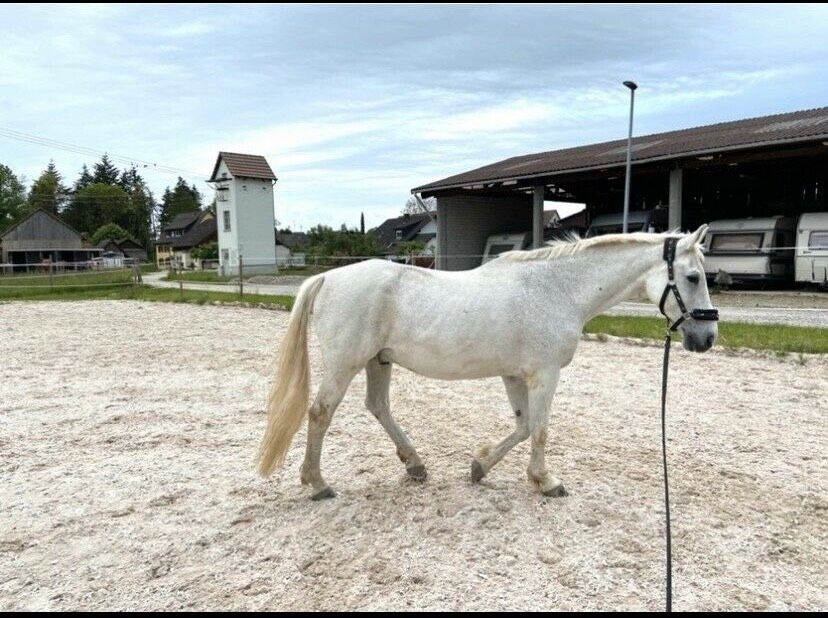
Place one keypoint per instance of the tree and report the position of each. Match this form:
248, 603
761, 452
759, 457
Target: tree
97, 205
410, 248
84, 180
207, 251
362, 223
48, 191
113, 231
415, 207
326, 242
182, 198
12, 197
105, 172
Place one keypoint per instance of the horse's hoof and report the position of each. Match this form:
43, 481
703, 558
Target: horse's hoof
556, 492
477, 472
325, 494
417, 473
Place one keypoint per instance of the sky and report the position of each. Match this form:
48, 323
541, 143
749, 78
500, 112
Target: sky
354, 105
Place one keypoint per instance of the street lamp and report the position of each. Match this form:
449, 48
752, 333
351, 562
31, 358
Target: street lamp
632, 86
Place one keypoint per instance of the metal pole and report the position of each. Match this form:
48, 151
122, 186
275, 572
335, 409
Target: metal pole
632, 86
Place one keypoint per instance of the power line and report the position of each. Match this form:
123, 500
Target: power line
77, 149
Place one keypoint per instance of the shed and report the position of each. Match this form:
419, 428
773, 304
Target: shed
763, 166
42, 237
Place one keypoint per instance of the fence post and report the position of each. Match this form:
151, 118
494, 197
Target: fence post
51, 276
241, 278
181, 288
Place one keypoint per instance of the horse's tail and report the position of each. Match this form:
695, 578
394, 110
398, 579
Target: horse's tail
288, 401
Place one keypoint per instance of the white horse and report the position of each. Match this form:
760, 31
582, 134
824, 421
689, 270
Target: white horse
519, 317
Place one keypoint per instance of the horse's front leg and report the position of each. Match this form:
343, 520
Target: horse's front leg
542, 387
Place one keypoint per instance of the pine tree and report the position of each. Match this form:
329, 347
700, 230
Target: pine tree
105, 172
48, 191
182, 198
362, 222
84, 180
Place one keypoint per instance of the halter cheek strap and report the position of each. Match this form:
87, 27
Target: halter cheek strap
709, 315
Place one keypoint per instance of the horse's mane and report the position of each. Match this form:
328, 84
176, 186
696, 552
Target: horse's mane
572, 244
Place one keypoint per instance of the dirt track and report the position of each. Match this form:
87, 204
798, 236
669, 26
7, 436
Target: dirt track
127, 434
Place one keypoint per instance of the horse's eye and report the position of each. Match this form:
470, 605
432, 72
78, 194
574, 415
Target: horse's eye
694, 278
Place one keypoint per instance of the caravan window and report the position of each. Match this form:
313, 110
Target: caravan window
818, 240
736, 242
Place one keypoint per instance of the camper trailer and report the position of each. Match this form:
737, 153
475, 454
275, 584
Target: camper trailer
637, 221
812, 248
751, 249
501, 243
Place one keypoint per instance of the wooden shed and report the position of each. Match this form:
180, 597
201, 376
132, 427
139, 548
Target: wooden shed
43, 238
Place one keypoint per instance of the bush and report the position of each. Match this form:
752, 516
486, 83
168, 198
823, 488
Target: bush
110, 230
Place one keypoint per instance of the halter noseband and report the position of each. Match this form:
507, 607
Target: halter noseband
708, 315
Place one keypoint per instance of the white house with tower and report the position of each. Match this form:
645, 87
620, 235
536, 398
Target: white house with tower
244, 212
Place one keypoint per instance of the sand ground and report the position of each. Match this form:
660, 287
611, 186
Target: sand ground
128, 432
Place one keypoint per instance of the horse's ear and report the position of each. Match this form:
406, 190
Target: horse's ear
691, 240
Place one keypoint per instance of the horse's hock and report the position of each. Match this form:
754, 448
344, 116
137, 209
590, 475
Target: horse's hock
127, 478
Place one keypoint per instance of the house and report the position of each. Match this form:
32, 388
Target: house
125, 248
290, 248
420, 227
43, 238
244, 207
181, 235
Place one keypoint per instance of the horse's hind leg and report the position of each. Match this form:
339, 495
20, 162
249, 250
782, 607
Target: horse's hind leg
330, 394
487, 458
377, 401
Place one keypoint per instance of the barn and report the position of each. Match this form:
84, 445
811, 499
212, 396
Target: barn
43, 237
756, 167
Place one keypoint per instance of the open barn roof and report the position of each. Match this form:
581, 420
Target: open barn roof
793, 127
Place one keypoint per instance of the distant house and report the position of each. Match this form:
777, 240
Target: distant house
124, 248
185, 232
290, 248
43, 238
421, 227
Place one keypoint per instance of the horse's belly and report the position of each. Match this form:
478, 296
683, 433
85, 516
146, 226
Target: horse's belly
445, 367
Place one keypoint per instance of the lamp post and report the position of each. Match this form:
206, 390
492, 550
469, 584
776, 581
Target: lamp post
632, 86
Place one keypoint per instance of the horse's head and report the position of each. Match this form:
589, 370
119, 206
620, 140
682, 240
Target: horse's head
688, 273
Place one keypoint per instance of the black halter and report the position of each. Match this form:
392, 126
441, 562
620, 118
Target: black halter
709, 315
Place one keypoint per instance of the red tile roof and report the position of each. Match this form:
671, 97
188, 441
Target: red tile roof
244, 166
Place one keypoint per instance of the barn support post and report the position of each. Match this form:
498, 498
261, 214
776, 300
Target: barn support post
537, 216
674, 219
442, 234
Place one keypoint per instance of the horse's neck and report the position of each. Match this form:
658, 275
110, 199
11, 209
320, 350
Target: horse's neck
602, 277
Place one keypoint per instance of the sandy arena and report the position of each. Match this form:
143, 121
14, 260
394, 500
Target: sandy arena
128, 433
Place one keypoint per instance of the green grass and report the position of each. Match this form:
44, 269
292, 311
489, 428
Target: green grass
208, 276
774, 337
117, 285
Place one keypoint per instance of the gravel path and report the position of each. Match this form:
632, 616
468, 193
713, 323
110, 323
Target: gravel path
127, 437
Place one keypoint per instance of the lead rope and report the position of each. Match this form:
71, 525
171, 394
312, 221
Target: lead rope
667, 533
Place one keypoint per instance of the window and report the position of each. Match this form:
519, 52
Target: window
399, 234
226, 215
818, 240
736, 242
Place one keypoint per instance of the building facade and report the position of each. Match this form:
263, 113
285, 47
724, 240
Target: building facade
245, 214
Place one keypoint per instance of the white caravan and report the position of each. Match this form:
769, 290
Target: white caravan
812, 248
751, 249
